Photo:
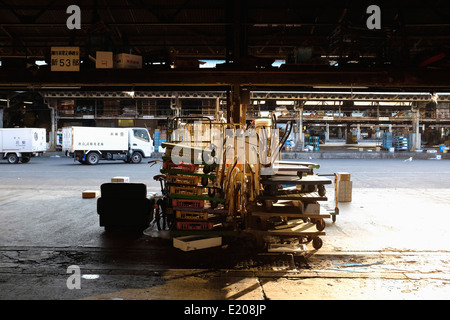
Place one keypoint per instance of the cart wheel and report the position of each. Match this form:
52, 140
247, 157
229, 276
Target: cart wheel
162, 219
268, 204
214, 204
334, 216
322, 190
320, 224
317, 243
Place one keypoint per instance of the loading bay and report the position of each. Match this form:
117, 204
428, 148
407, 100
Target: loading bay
389, 242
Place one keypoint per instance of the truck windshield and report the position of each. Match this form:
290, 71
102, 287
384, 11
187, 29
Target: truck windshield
141, 134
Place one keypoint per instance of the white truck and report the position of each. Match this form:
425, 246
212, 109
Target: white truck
89, 145
21, 144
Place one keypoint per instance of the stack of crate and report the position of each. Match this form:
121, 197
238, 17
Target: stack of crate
186, 194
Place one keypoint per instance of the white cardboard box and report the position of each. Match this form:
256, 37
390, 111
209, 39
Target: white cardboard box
104, 60
127, 61
189, 243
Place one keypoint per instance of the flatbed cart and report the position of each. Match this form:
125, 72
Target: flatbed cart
286, 212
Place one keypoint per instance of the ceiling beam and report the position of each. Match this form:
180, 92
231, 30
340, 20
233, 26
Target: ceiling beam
327, 77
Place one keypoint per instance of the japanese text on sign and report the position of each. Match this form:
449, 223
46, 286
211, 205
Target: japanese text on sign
65, 59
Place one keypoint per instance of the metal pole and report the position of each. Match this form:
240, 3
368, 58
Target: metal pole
299, 138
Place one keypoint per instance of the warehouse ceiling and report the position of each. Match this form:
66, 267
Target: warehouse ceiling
318, 43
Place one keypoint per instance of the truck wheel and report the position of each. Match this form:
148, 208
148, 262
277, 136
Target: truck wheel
136, 157
12, 158
92, 158
25, 159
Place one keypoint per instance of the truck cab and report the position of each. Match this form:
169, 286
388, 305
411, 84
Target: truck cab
140, 144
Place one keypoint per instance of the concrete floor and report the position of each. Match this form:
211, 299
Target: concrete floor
390, 242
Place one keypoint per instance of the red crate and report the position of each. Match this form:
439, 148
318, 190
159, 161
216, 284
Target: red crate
184, 225
187, 203
182, 166
183, 179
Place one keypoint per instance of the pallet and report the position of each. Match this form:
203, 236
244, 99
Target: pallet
299, 228
295, 180
302, 196
289, 211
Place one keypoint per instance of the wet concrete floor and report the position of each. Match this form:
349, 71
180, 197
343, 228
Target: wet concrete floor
390, 242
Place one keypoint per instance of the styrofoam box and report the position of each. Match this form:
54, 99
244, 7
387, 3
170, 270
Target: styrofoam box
90, 194
189, 243
120, 179
343, 176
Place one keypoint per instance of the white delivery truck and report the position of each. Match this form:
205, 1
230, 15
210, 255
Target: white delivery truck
89, 145
20, 144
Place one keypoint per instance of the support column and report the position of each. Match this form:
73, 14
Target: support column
238, 100
299, 143
217, 109
416, 143
358, 132
52, 104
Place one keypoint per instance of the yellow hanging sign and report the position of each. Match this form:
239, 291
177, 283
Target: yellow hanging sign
65, 59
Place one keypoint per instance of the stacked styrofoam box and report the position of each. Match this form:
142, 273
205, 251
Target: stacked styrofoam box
344, 188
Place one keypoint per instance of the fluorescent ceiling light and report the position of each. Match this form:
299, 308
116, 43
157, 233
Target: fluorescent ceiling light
51, 87
285, 102
340, 87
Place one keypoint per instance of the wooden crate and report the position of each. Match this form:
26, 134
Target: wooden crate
185, 180
185, 225
192, 215
186, 190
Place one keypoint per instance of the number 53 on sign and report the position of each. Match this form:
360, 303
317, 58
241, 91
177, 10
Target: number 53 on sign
65, 59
